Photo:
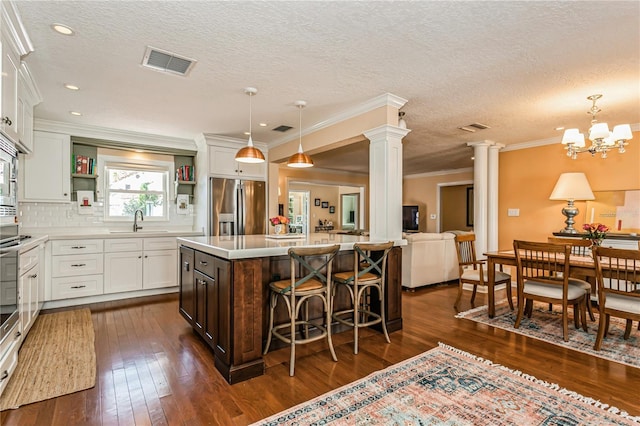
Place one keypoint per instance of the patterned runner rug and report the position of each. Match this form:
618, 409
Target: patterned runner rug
547, 326
448, 386
57, 358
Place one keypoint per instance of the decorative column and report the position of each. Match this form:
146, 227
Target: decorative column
385, 182
492, 197
480, 197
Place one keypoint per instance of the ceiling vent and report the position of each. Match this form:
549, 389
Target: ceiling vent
473, 127
161, 60
282, 128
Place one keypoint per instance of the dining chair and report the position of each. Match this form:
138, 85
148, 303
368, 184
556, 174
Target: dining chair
579, 247
543, 275
310, 278
368, 273
474, 272
618, 278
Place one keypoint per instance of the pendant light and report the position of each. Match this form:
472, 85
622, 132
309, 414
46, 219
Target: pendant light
300, 159
250, 154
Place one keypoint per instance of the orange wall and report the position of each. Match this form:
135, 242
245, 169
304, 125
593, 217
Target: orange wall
423, 192
527, 177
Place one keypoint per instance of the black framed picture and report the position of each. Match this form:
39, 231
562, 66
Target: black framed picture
332, 209
325, 204
317, 202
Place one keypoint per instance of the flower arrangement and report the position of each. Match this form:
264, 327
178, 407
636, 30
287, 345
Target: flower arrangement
279, 220
596, 232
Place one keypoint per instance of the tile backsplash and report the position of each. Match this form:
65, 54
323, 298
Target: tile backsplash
61, 215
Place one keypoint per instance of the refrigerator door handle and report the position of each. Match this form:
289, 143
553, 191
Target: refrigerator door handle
240, 213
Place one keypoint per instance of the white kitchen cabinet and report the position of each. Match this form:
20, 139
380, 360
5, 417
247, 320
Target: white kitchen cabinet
9, 86
30, 288
45, 172
140, 264
28, 97
76, 268
122, 271
222, 162
160, 268
29, 298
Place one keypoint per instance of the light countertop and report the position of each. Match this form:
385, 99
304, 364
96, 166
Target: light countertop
251, 246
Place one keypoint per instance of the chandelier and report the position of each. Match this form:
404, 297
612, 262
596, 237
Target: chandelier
602, 140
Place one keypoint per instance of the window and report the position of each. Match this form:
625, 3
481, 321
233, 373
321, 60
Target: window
132, 186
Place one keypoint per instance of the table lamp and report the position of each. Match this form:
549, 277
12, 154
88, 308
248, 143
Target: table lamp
571, 187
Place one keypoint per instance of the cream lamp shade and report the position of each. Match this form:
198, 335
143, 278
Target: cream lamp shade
570, 187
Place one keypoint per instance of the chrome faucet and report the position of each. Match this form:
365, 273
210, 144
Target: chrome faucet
135, 220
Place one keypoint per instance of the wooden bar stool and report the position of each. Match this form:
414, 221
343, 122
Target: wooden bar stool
296, 294
368, 273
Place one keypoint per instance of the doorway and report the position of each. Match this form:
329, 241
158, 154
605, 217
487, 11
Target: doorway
349, 208
455, 205
298, 211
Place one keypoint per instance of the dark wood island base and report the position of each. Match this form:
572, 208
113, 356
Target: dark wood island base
225, 301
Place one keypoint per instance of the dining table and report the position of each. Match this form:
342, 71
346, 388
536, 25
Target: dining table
579, 267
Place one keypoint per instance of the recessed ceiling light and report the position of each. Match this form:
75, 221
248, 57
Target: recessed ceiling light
473, 158
62, 29
247, 133
75, 113
71, 87
559, 128
263, 124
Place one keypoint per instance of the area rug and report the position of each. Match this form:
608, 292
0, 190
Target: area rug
57, 358
446, 386
547, 325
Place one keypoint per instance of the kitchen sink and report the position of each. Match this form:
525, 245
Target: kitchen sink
143, 231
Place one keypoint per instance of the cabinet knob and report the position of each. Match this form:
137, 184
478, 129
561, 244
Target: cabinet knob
5, 374
7, 121
34, 276
65, 194
203, 263
186, 266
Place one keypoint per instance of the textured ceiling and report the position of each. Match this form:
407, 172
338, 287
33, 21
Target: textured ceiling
522, 68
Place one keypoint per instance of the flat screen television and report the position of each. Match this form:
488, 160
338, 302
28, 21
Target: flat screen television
410, 217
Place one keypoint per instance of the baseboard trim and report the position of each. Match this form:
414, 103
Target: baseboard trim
53, 304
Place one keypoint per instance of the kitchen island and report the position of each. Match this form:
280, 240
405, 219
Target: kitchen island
224, 286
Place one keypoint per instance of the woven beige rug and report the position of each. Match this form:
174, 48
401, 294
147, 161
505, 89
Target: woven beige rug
57, 358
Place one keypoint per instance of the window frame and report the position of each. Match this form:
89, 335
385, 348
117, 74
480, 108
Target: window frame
107, 162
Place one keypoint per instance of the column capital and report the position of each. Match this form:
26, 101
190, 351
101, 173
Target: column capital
481, 143
385, 131
497, 146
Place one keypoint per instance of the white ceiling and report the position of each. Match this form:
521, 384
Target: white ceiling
522, 68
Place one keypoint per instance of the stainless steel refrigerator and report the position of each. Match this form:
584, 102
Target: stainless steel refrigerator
237, 207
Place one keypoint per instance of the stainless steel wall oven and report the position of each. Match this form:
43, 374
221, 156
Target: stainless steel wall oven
8, 176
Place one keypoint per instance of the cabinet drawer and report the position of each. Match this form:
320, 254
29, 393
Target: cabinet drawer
84, 264
8, 361
204, 263
164, 243
69, 287
28, 260
60, 247
122, 244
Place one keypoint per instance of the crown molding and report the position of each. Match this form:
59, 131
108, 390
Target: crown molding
220, 140
96, 132
439, 173
386, 99
13, 27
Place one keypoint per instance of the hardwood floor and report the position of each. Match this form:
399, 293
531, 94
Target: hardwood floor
153, 370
